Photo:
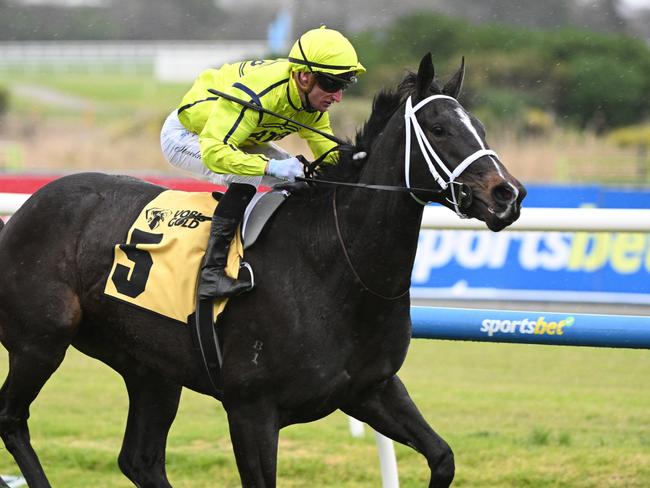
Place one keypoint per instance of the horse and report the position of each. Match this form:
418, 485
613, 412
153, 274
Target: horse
330, 334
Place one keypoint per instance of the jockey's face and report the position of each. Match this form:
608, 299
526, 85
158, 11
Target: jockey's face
313, 96
322, 100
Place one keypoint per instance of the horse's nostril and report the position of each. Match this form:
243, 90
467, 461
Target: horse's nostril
503, 194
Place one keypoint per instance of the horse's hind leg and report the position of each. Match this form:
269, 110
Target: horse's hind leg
36, 334
153, 402
388, 408
25, 378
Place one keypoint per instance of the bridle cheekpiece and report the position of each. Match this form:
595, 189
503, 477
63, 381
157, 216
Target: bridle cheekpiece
454, 187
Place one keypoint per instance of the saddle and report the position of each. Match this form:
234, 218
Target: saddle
259, 211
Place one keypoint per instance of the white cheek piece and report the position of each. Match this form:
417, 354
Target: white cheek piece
427, 152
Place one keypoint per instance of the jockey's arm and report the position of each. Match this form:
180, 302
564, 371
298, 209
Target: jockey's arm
227, 129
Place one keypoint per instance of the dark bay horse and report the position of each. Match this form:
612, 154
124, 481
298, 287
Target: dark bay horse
327, 327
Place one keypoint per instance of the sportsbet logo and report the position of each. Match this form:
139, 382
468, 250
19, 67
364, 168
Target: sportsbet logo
537, 326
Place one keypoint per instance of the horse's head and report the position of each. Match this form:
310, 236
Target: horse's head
446, 148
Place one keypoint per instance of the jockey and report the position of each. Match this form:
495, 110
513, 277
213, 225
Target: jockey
231, 145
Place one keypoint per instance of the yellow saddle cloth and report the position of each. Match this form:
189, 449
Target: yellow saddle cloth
157, 268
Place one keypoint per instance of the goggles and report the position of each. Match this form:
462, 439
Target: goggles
331, 83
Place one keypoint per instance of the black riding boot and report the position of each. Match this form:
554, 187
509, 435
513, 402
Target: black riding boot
215, 283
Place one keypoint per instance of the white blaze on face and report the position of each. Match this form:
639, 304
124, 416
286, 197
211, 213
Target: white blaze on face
464, 118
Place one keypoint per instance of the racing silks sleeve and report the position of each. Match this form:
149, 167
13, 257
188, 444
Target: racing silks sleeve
317, 143
227, 128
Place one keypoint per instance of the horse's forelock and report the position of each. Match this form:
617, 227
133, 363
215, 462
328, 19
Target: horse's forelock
407, 86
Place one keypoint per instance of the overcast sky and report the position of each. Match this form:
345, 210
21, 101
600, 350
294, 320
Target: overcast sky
636, 3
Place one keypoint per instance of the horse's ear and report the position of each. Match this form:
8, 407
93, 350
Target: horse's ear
453, 86
425, 76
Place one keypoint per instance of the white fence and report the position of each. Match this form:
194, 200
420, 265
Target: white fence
551, 219
532, 219
10, 202
169, 60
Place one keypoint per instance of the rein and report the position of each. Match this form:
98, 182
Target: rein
339, 234
463, 190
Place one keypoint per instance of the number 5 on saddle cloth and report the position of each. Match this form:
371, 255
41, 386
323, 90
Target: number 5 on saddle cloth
157, 267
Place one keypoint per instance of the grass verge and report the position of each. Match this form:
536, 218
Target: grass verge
515, 416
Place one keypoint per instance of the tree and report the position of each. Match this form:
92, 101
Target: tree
603, 92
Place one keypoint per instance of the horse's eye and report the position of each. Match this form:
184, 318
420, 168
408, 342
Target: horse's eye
438, 131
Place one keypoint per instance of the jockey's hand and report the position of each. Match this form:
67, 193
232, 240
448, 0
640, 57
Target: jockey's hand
285, 169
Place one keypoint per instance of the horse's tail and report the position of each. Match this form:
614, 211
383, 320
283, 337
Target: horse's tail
2, 223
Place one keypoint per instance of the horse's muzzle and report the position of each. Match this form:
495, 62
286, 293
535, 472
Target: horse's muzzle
506, 205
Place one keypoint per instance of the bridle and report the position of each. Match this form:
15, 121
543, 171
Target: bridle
458, 194
450, 183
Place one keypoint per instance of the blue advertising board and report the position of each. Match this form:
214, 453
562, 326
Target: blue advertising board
558, 266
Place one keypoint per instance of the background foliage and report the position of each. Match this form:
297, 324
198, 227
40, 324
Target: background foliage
594, 76
578, 77
545, 88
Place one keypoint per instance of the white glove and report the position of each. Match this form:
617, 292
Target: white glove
285, 169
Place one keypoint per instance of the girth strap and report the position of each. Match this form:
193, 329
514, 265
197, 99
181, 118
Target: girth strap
206, 342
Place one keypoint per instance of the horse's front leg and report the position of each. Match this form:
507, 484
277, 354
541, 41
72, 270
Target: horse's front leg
388, 408
254, 431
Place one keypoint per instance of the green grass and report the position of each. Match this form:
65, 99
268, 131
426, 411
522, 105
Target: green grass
125, 103
109, 95
515, 415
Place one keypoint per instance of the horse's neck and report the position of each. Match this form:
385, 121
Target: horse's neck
380, 228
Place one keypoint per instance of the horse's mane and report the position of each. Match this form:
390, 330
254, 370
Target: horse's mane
384, 105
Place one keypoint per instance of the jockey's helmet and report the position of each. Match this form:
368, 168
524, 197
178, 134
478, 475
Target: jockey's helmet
327, 51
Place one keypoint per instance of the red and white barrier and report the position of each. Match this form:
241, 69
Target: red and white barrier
15, 189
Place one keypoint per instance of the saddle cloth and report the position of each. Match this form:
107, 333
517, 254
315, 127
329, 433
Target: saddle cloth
157, 267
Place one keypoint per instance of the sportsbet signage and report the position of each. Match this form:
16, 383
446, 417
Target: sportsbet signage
599, 267
537, 326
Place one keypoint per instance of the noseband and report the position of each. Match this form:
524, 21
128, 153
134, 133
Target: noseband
455, 188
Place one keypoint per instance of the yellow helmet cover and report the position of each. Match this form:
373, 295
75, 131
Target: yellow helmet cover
325, 50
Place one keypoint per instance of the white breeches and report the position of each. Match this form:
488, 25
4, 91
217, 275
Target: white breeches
181, 148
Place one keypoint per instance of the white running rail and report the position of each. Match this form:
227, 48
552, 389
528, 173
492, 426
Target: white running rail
532, 219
